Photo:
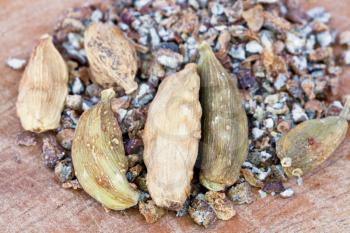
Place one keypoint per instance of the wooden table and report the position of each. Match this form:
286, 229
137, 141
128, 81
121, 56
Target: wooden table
31, 201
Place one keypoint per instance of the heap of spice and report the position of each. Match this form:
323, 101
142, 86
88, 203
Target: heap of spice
268, 56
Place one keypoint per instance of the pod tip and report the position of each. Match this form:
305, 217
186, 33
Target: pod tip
45, 36
203, 46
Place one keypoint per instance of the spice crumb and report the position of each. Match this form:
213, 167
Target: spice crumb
287, 193
262, 194
26, 138
150, 211
300, 181
16, 63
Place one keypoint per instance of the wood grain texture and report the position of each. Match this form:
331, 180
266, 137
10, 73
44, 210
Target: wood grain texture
31, 201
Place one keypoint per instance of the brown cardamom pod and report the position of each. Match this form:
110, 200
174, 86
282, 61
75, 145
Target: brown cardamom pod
171, 138
224, 144
43, 88
309, 144
99, 159
111, 56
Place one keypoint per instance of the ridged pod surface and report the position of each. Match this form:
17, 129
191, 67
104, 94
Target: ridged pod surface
308, 145
171, 138
224, 144
99, 159
111, 56
43, 88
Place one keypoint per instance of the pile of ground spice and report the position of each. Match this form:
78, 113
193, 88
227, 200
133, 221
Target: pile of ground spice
281, 56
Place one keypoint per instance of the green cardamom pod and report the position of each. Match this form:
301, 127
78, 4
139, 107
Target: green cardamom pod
309, 144
99, 159
224, 145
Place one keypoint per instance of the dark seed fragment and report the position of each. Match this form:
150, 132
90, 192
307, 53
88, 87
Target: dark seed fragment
201, 212
241, 193
274, 186
64, 170
26, 138
52, 151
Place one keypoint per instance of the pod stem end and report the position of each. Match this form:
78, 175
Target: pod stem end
204, 47
107, 94
211, 185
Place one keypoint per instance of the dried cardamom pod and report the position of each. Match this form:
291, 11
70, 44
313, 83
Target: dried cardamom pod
171, 138
224, 145
309, 144
111, 56
43, 88
99, 159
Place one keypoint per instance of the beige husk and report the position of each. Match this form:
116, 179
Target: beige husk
43, 88
112, 58
171, 138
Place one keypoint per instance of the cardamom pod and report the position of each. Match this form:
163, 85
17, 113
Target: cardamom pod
224, 144
43, 88
111, 56
171, 138
99, 159
309, 144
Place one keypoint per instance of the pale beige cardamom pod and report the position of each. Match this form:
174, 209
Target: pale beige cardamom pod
99, 159
43, 88
224, 144
171, 138
111, 56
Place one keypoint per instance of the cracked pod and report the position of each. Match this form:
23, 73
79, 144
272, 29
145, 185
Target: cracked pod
224, 144
111, 56
171, 138
99, 159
